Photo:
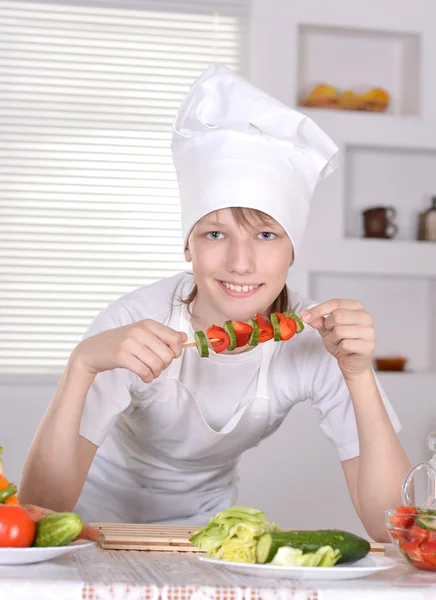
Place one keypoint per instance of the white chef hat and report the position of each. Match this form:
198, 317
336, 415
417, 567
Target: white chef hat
234, 145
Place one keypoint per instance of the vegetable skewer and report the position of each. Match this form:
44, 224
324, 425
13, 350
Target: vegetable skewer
234, 334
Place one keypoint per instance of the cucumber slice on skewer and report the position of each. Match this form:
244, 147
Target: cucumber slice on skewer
228, 328
202, 346
254, 337
299, 322
276, 327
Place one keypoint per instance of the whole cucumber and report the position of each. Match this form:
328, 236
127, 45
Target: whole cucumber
58, 529
352, 547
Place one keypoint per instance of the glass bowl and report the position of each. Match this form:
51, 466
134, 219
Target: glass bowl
413, 533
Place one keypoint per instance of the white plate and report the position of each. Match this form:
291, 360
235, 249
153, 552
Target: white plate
361, 568
27, 556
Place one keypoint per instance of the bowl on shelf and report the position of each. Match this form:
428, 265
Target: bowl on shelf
412, 537
390, 363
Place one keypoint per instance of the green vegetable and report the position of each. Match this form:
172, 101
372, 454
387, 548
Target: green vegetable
238, 550
58, 529
254, 336
8, 491
350, 546
232, 534
426, 520
241, 534
298, 321
202, 346
276, 327
294, 557
228, 328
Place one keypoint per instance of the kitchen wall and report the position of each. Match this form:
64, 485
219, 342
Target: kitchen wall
295, 476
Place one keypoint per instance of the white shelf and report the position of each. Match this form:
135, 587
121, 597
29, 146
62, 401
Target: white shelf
376, 257
374, 129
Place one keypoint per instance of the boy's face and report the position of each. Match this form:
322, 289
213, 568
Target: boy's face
239, 270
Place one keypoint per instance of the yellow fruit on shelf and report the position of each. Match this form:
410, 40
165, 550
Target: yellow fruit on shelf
375, 100
325, 95
322, 96
348, 100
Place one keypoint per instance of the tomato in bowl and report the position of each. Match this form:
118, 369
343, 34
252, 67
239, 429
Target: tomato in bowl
413, 533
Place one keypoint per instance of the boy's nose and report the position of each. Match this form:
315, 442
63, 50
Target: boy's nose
241, 258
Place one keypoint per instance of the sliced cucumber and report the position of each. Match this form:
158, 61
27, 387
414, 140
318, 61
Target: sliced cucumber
202, 346
228, 328
427, 520
276, 327
254, 337
299, 322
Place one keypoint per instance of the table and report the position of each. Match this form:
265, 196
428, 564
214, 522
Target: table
96, 574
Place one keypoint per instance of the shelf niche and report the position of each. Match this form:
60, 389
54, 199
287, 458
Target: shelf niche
401, 178
385, 59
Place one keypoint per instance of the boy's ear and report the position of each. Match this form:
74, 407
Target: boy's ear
188, 256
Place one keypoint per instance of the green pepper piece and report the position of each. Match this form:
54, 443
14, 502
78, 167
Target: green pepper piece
9, 490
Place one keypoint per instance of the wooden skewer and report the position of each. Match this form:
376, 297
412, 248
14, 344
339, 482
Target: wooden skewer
191, 344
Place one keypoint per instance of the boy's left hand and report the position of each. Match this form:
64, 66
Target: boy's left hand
347, 331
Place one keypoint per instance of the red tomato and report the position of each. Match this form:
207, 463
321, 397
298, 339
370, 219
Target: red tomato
428, 552
404, 517
216, 332
397, 535
402, 522
243, 332
288, 327
266, 331
418, 533
411, 548
17, 529
421, 564
407, 510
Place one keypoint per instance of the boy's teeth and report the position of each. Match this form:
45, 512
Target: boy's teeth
240, 288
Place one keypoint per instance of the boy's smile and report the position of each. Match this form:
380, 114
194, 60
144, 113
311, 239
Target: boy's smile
240, 290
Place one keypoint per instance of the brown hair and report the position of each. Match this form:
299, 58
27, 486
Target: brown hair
248, 218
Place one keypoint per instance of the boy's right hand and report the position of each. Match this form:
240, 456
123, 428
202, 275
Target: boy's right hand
146, 348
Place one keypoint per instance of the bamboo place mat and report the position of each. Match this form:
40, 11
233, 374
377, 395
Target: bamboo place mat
163, 538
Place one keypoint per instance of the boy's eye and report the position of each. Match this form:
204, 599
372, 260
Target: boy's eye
267, 235
213, 235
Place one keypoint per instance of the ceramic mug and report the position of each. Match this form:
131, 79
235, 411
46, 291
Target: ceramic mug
377, 222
